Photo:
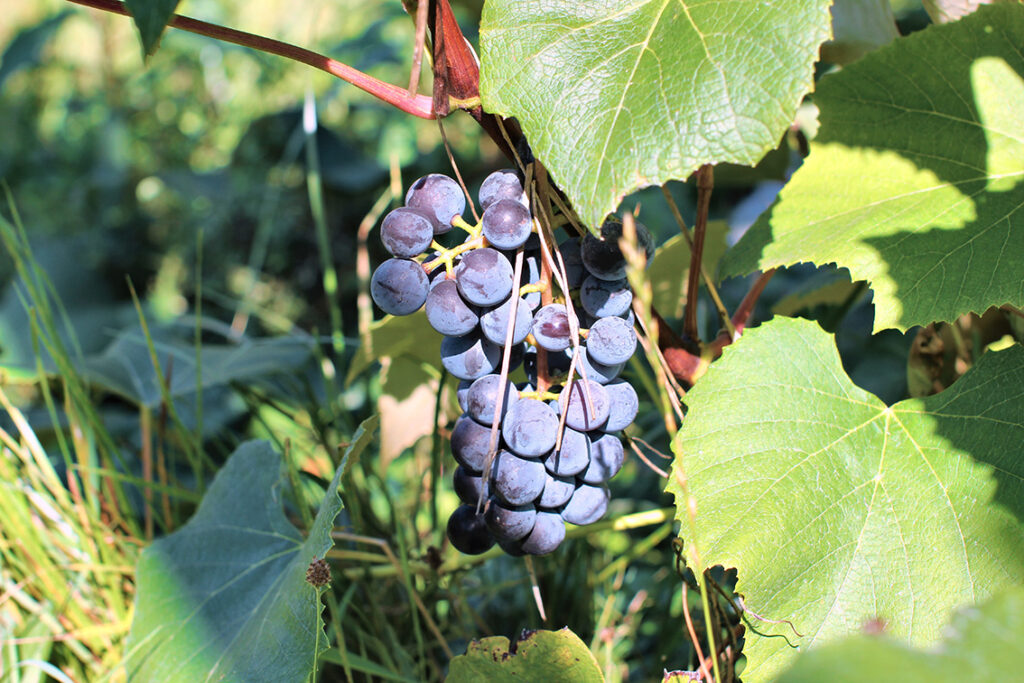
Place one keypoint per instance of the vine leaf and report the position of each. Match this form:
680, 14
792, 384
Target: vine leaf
915, 182
225, 597
837, 510
983, 643
617, 96
151, 18
537, 656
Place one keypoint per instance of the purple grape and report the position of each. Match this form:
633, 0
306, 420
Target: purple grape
399, 286
530, 428
517, 481
468, 532
587, 505
572, 457
573, 260
468, 486
507, 224
470, 356
623, 404
602, 257
484, 277
551, 328
597, 372
557, 491
462, 392
509, 523
503, 184
407, 232
447, 312
483, 396
606, 458
585, 404
470, 442
603, 298
494, 323
438, 196
547, 534
611, 341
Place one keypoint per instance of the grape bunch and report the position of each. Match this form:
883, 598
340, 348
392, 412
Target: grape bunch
537, 453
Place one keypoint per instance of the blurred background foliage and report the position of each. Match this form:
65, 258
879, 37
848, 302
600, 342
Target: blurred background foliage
185, 180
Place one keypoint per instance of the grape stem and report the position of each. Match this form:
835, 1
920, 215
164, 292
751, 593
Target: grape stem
448, 256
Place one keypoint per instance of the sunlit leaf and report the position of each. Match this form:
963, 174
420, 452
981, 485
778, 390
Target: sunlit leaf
616, 96
837, 510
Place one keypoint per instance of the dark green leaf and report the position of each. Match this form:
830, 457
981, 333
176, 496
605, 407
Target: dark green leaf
151, 18
225, 597
838, 510
26, 47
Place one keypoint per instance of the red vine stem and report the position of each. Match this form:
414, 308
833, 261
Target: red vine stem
705, 182
400, 98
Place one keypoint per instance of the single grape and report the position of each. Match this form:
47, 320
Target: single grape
509, 523
572, 457
557, 491
551, 328
462, 393
603, 298
547, 534
438, 196
507, 224
587, 505
447, 312
623, 405
468, 486
611, 341
597, 372
573, 260
484, 277
406, 232
585, 404
494, 323
517, 481
512, 548
530, 428
470, 443
470, 356
602, 257
606, 458
399, 286
483, 396
503, 184
468, 532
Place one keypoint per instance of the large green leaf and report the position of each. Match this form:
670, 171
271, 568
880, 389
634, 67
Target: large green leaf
225, 597
537, 656
615, 96
914, 182
836, 509
983, 643
125, 367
